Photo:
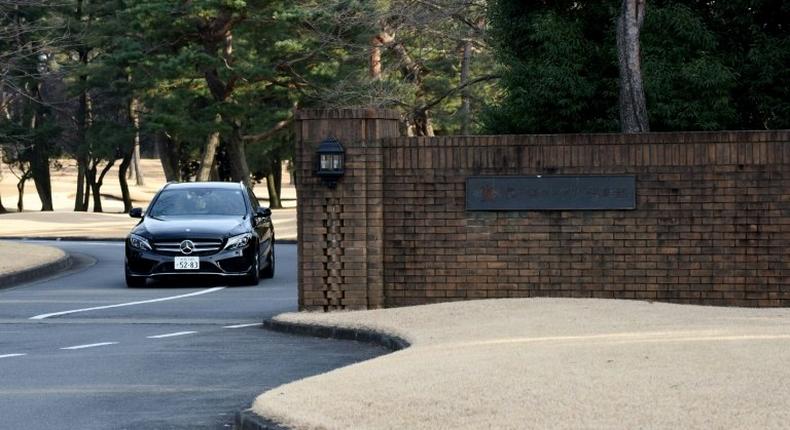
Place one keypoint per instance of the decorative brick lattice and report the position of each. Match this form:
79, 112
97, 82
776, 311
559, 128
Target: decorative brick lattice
333, 251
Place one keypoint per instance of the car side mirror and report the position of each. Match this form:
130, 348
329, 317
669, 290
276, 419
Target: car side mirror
264, 212
136, 213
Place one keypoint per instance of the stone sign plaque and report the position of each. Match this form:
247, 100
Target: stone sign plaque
513, 193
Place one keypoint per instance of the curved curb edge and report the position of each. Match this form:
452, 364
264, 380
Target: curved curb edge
35, 273
391, 342
248, 420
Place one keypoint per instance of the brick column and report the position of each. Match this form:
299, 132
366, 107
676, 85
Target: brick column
341, 230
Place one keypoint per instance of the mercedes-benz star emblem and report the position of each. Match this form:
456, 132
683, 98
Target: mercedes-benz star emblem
187, 247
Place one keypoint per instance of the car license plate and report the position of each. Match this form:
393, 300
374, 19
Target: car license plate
187, 263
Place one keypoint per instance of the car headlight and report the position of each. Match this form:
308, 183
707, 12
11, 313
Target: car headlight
238, 242
139, 242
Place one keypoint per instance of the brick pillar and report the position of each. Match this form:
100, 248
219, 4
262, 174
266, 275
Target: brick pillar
341, 230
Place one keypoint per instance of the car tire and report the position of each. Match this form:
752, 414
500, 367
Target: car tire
254, 276
135, 281
268, 271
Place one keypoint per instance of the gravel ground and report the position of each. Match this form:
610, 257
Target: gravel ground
16, 256
112, 224
552, 363
102, 226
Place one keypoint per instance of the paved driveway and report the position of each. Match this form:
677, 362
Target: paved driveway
81, 350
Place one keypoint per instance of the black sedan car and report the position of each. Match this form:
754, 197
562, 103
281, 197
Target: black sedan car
201, 228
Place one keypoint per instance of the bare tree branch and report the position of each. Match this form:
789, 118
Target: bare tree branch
454, 90
268, 133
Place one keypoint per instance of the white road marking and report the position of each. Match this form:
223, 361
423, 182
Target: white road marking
91, 345
142, 302
11, 355
243, 325
180, 333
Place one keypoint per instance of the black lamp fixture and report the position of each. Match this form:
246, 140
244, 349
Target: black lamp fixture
330, 161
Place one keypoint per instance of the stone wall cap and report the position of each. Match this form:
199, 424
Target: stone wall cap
366, 113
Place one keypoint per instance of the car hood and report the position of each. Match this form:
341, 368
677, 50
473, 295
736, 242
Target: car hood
190, 227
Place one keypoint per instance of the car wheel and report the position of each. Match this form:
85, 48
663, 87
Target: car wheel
254, 276
135, 281
268, 271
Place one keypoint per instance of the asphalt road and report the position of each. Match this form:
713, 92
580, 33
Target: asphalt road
187, 361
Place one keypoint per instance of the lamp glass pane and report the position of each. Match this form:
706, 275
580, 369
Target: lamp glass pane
336, 161
324, 161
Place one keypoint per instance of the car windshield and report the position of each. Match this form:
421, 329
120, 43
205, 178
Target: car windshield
199, 201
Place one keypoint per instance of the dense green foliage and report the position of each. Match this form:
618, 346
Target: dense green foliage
706, 65
211, 85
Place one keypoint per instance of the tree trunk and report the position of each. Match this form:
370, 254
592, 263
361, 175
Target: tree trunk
278, 175
274, 183
168, 156
97, 206
633, 107
39, 156
274, 196
134, 116
79, 199
83, 122
20, 187
413, 71
375, 57
90, 186
209, 156
222, 92
139, 177
122, 170
39, 168
466, 61
421, 123
87, 178
239, 170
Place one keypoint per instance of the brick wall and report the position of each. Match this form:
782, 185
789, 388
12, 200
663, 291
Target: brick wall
711, 226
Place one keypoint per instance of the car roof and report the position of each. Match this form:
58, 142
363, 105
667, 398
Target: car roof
193, 185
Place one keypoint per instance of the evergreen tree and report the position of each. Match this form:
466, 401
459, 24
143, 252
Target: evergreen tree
558, 66
753, 43
214, 85
29, 37
688, 84
706, 65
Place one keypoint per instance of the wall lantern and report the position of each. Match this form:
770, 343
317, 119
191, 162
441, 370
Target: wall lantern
330, 161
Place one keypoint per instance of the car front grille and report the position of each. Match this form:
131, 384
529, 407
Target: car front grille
202, 247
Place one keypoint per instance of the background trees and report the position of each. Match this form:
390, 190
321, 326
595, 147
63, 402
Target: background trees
430, 59
210, 86
29, 87
705, 65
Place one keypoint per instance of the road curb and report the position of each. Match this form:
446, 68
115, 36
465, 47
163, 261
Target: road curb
34, 273
248, 420
391, 342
